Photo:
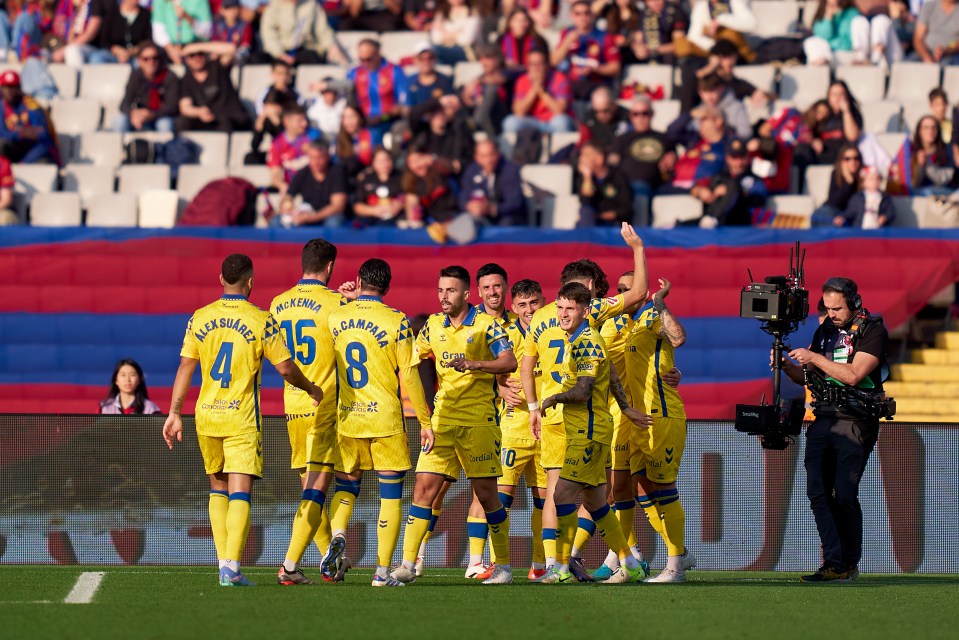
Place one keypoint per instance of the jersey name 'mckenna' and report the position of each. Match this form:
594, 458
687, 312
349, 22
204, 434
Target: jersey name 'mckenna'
304, 303
364, 325
226, 323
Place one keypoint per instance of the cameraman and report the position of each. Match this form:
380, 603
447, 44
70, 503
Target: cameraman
848, 350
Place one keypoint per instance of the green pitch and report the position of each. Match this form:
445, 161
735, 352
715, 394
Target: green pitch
185, 602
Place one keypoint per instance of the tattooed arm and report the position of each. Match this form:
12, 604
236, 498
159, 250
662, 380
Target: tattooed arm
580, 392
672, 330
616, 388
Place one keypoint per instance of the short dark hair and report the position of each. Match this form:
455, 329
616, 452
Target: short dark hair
938, 93
278, 62
455, 271
584, 3
369, 41
586, 269
628, 274
236, 267
317, 254
711, 82
491, 269
526, 289
293, 109
575, 292
376, 275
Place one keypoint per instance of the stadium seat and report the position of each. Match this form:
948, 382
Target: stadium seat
559, 141
240, 144
555, 179
111, 210
256, 174
464, 72
253, 81
506, 143
561, 213
348, 41
214, 145
891, 142
906, 211
179, 70
651, 76
158, 208
102, 148
762, 76
668, 210
664, 112
881, 116
137, 178
106, 83
912, 80
76, 115
912, 111
817, 182
794, 205
151, 136
397, 45
66, 79
804, 85
808, 11
774, 17
310, 73
193, 178
88, 180
55, 210
950, 82
31, 179
866, 83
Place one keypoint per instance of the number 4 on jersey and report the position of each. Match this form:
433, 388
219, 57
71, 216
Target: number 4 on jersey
222, 365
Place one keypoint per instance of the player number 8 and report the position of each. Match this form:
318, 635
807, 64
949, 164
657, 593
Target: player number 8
356, 374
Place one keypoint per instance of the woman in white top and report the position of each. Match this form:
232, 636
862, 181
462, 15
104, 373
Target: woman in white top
128, 391
457, 28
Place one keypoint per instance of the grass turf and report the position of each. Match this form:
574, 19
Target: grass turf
185, 602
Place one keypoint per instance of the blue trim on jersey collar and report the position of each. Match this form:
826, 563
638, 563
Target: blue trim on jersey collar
311, 281
578, 331
467, 321
366, 297
232, 296
642, 309
519, 325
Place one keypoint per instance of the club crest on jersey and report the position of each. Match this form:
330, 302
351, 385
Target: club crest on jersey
469, 338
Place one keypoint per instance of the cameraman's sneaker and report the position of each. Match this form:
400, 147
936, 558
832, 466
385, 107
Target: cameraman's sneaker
668, 576
826, 574
853, 573
288, 578
231, 578
330, 564
687, 561
419, 566
501, 574
404, 574
578, 569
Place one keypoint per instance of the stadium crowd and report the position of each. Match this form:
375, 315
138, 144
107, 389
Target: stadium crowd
437, 129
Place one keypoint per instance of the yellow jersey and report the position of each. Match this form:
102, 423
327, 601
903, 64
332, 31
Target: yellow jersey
587, 356
648, 356
302, 314
467, 399
230, 338
515, 420
508, 317
546, 340
373, 343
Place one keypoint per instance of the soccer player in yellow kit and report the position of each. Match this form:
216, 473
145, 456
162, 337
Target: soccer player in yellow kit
589, 434
659, 449
470, 349
301, 313
546, 345
229, 339
373, 344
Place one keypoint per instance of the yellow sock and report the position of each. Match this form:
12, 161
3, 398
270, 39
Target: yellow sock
307, 525
674, 521
391, 514
585, 528
609, 527
477, 530
416, 526
341, 507
625, 513
499, 535
549, 544
536, 524
653, 514
237, 525
565, 532
219, 504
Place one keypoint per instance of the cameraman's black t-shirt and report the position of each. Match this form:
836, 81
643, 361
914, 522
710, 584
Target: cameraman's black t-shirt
841, 345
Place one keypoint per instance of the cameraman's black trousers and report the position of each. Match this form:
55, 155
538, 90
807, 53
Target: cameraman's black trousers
837, 449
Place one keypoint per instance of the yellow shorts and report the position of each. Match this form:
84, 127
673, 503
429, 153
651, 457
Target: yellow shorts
522, 458
622, 440
659, 449
389, 453
552, 446
242, 453
476, 450
585, 462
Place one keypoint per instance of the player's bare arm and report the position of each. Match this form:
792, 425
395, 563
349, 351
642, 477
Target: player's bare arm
672, 330
635, 415
173, 426
639, 288
505, 362
509, 390
292, 374
581, 392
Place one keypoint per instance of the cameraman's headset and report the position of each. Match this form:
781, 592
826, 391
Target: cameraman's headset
850, 291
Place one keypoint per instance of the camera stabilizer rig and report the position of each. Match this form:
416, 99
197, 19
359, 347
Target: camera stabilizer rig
781, 303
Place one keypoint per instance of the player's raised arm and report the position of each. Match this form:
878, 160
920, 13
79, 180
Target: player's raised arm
639, 288
173, 426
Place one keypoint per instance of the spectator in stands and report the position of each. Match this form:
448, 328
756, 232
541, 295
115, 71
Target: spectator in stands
379, 197
297, 32
76, 27
326, 112
831, 125
519, 39
229, 27
379, 87
933, 168
7, 183
843, 184
128, 391
543, 12
457, 28
491, 189
605, 197
713, 93
125, 26
268, 123
429, 195
418, 14
177, 23
661, 23
936, 37
722, 61
839, 26
26, 134
714, 20
427, 82
322, 187
870, 208
440, 127
541, 99
705, 154
605, 119
354, 146
644, 156
589, 54
208, 99
622, 17
904, 22
33, 29
281, 86
730, 196
151, 100
488, 96
288, 153
939, 108
372, 15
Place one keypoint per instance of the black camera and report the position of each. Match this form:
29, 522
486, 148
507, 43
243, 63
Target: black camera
779, 299
776, 424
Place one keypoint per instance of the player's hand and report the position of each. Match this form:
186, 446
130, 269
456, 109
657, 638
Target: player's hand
664, 287
427, 439
639, 418
317, 394
173, 429
535, 420
509, 395
631, 237
462, 364
672, 377
548, 403
349, 291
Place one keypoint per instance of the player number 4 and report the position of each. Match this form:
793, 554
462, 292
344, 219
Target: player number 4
222, 365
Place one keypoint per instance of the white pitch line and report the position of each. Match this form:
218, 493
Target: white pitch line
85, 588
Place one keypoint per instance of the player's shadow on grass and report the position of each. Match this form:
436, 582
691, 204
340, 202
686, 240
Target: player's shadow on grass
866, 581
